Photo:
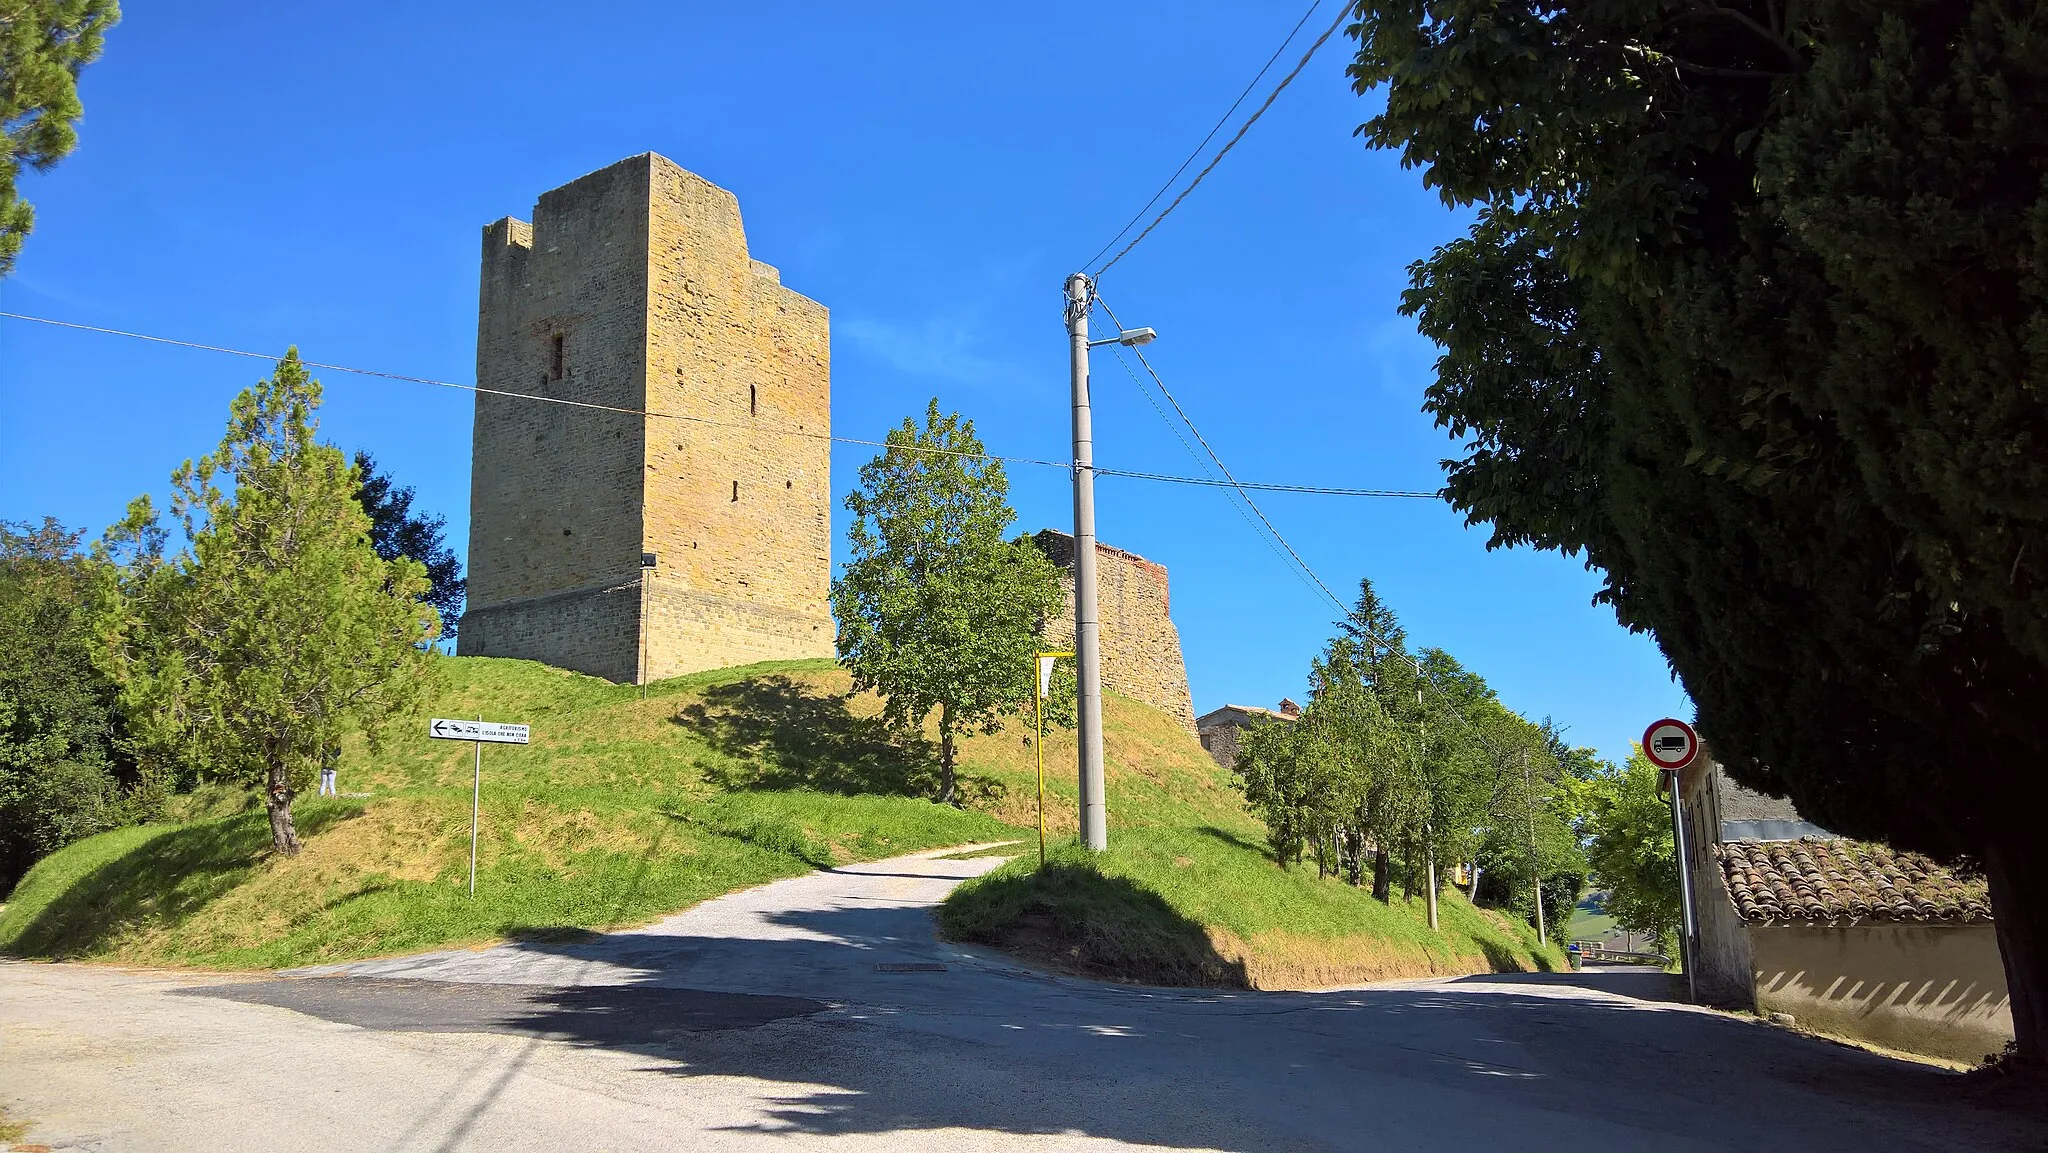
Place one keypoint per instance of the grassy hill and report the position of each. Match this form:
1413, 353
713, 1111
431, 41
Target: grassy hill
625, 809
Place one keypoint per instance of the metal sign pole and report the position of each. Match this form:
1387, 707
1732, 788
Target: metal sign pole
1685, 947
476, 796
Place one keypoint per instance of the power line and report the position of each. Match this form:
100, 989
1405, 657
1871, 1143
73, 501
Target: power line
652, 414
1221, 121
1344, 612
1344, 10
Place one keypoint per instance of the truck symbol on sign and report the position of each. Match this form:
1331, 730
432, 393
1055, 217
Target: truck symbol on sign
1670, 743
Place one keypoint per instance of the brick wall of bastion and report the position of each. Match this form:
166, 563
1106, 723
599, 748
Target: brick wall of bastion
1141, 656
633, 288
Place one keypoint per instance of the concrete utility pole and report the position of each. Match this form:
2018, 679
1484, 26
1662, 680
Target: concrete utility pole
1087, 624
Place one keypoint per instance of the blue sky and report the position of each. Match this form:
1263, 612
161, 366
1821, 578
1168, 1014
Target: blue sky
256, 176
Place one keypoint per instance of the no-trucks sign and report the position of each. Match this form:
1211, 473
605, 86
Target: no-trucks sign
1670, 744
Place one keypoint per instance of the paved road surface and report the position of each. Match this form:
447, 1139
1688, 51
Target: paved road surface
796, 1014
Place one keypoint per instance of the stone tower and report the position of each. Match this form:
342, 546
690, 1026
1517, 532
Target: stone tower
632, 289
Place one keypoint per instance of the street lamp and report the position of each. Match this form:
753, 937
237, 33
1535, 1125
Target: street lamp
1087, 623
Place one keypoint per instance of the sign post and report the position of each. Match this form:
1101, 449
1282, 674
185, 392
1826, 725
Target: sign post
478, 732
1044, 662
1671, 745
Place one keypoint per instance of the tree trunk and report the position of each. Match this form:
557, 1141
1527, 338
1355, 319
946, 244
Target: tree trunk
284, 835
2016, 865
949, 793
1382, 877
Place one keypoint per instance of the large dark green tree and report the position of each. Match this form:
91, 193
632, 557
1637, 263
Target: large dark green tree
398, 531
61, 738
1751, 317
43, 46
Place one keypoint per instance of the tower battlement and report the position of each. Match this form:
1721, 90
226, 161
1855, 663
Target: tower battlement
633, 289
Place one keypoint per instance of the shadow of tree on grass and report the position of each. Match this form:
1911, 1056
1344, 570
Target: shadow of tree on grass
780, 733
1068, 914
165, 880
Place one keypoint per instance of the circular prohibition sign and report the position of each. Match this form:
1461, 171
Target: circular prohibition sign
1670, 744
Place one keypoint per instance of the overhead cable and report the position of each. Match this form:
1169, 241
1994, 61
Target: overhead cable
1221, 121
1343, 610
1344, 11
654, 414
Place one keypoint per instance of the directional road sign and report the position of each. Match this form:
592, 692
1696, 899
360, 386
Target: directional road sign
1670, 744
495, 732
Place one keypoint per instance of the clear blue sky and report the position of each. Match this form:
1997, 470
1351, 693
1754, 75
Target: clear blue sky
259, 175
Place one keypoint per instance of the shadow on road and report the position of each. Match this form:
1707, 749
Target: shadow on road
1637, 981
1449, 1064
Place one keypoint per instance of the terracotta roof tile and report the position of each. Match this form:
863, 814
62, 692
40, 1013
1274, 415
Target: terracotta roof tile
1817, 879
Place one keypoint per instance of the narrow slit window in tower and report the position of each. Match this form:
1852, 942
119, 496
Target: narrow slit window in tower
735, 490
753, 401
555, 365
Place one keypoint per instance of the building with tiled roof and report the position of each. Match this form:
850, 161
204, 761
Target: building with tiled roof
1846, 937
1222, 730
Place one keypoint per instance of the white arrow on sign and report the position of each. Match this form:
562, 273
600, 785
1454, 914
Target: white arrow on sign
494, 732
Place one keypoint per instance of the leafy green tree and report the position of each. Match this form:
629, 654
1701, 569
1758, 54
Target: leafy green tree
60, 736
1752, 317
44, 44
397, 531
252, 651
937, 611
1632, 852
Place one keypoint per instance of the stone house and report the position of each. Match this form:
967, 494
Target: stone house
1221, 729
1848, 938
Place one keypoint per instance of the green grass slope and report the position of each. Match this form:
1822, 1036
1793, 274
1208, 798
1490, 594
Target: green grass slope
621, 810
624, 809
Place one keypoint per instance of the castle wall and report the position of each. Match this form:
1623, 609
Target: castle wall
634, 288
1141, 657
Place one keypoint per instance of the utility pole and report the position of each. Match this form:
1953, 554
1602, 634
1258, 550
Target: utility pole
1087, 625
1422, 767
1535, 861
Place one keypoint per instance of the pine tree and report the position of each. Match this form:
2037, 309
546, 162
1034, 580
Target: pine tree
279, 626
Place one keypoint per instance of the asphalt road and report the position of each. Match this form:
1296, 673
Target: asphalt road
816, 1011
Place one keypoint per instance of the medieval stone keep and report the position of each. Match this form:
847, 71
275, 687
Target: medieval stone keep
1141, 656
633, 289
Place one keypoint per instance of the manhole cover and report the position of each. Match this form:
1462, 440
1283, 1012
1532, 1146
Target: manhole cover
910, 967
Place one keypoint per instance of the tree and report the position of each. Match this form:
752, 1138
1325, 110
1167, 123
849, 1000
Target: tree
61, 741
1752, 318
1632, 853
396, 531
253, 650
936, 610
44, 44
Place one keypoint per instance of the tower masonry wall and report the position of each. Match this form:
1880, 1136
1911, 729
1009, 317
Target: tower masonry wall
633, 288
1141, 657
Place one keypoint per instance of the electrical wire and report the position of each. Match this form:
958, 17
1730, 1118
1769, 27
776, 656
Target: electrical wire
1344, 11
1221, 121
654, 414
1344, 611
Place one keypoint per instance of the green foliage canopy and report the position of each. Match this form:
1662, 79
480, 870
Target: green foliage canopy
936, 610
251, 652
1401, 759
44, 44
61, 739
397, 531
1752, 317
1632, 852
